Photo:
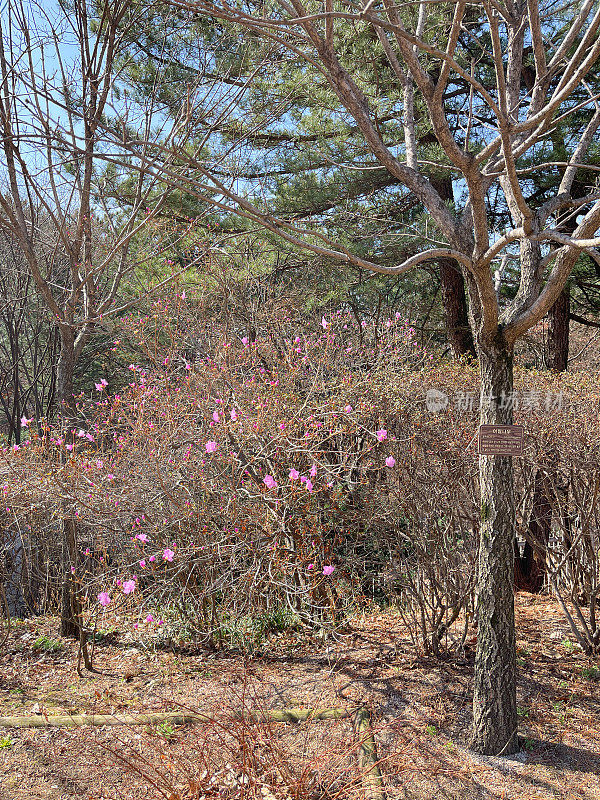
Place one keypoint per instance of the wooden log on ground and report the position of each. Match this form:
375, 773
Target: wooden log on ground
367, 755
174, 717
77, 720
366, 748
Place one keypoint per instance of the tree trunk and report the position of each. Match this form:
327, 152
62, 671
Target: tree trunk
455, 309
64, 373
530, 568
70, 617
557, 355
495, 700
454, 297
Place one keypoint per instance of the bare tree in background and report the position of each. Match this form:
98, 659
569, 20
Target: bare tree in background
493, 142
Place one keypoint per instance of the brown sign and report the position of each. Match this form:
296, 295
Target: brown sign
500, 440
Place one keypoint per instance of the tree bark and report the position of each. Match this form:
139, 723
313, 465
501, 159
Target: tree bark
64, 372
70, 617
455, 309
530, 568
452, 283
557, 355
495, 700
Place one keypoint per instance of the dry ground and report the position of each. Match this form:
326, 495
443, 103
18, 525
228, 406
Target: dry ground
421, 711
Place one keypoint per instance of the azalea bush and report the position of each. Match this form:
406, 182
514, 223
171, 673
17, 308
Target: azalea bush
251, 477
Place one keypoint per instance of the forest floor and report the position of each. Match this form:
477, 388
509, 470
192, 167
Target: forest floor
421, 712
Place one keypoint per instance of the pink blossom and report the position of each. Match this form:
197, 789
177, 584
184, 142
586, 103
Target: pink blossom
128, 587
313, 471
142, 563
311, 566
245, 341
348, 409
168, 555
99, 464
25, 422
152, 558
183, 295
69, 447
294, 474
328, 570
233, 415
149, 618
390, 461
211, 447
216, 416
142, 537
381, 434
104, 599
309, 486
102, 385
270, 482
324, 323
110, 476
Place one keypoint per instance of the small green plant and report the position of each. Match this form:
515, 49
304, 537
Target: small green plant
568, 645
432, 730
5, 742
166, 730
523, 711
528, 744
47, 644
591, 673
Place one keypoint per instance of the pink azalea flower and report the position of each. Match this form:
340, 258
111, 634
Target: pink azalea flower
99, 463
309, 486
104, 599
168, 555
270, 482
142, 537
324, 323
328, 570
294, 474
313, 471
69, 447
216, 416
245, 341
381, 434
390, 461
142, 563
25, 422
311, 566
183, 295
149, 618
110, 476
348, 409
128, 587
233, 415
152, 558
211, 447
102, 385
